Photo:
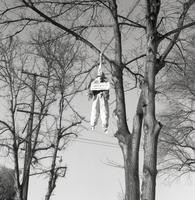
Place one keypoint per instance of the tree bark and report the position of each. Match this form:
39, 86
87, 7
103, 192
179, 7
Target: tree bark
129, 143
131, 161
151, 127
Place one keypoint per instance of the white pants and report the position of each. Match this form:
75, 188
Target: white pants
100, 107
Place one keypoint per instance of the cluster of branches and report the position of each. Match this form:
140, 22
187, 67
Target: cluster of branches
34, 82
177, 138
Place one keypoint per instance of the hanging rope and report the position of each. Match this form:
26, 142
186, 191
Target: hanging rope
100, 65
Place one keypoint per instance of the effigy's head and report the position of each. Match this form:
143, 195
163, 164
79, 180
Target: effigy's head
101, 77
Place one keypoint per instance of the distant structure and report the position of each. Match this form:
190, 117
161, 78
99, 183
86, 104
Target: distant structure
7, 183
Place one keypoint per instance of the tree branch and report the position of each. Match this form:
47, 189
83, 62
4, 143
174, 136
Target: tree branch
69, 31
132, 23
177, 31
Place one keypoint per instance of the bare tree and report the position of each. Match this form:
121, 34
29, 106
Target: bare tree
23, 100
160, 39
177, 138
30, 94
60, 54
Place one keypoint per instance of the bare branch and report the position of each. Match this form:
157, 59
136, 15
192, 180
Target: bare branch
177, 31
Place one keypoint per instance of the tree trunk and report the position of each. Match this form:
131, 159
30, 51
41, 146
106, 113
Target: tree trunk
53, 174
28, 146
131, 155
151, 127
149, 169
18, 188
131, 161
129, 143
130, 149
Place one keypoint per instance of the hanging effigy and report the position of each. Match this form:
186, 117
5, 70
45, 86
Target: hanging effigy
99, 93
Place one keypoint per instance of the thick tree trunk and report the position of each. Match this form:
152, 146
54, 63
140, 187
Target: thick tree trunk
130, 149
151, 127
149, 169
131, 156
151, 130
131, 161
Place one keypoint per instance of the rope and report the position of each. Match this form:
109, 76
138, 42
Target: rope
100, 65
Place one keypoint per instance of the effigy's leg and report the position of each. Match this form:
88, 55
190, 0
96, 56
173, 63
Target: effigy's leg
104, 113
95, 110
